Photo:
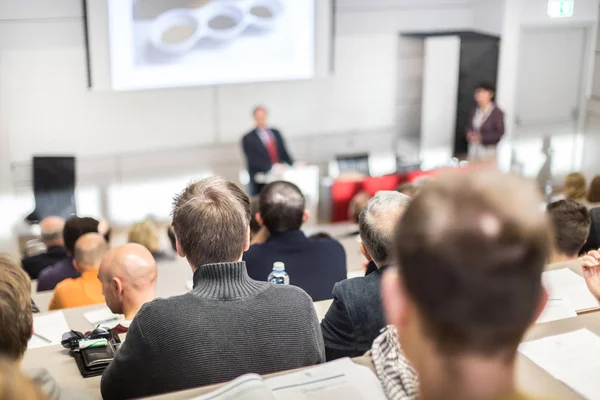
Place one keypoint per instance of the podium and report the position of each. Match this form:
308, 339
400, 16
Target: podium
305, 177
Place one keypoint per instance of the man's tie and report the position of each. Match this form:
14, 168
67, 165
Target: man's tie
272, 147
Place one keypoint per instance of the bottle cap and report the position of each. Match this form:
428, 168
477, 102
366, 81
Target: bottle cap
278, 266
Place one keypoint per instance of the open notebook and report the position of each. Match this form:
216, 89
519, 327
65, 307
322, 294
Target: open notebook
341, 379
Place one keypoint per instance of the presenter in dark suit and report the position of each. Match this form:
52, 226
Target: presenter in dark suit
264, 148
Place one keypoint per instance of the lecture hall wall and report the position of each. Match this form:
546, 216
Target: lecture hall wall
45, 106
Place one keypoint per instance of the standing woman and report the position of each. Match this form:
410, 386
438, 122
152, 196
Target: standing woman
486, 125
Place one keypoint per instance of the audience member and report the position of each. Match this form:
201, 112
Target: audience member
146, 234
75, 227
86, 290
15, 386
575, 187
128, 274
313, 265
471, 249
593, 196
355, 317
52, 237
357, 204
228, 324
591, 272
16, 326
570, 221
593, 239
258, 232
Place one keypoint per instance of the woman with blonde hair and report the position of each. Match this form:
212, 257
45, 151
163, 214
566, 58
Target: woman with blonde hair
146, 234
575, 187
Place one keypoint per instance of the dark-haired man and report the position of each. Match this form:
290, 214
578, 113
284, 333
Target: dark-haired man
315, 265
229, 324
571, 222
471, 249
74, 228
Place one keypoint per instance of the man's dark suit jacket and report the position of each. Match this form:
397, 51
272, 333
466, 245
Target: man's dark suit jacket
314, 265
34, 265
492, 129
257, 156
355, 317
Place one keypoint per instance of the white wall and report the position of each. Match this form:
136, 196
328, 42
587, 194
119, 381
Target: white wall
488, 16
517, 16
47, 108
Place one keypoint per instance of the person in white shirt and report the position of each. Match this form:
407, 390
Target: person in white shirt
128, 274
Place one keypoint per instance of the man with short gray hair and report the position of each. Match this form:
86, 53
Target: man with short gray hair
52, 236
355, 317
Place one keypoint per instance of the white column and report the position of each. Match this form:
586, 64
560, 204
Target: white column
440, 96
507, 75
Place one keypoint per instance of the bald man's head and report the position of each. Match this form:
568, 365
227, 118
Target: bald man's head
90, 249
128, 274
52, 231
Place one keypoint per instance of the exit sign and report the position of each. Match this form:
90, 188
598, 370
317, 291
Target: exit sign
561, 8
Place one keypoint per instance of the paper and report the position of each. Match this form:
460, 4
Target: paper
564, 283
341, 379
48, 329
572, 358
103, 316
557, 308
246, 387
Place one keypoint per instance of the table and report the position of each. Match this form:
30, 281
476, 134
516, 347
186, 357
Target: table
537, 382
530, 378
321, 307
63, 367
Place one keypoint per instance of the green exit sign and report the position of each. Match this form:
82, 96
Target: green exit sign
561, 8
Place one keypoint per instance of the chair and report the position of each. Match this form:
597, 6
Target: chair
53, 187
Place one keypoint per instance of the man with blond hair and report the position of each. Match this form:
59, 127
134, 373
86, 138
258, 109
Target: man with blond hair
16, 326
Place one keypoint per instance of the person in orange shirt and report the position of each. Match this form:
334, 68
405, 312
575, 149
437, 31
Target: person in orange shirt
86, 290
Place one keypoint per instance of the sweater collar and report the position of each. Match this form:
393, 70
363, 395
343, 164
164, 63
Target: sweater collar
225, 281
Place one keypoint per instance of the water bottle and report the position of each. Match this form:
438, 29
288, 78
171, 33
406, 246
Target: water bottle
548, 189
279, 276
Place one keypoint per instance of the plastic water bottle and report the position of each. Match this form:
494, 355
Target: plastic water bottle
279, 276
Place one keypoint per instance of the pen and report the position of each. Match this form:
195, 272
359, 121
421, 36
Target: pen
42, 337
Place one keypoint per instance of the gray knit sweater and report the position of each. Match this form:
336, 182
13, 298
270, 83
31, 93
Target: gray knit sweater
228, 325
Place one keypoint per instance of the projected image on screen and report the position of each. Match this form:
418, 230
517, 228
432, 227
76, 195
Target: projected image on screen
158, 43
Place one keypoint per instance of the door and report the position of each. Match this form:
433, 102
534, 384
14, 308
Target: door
550, 79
